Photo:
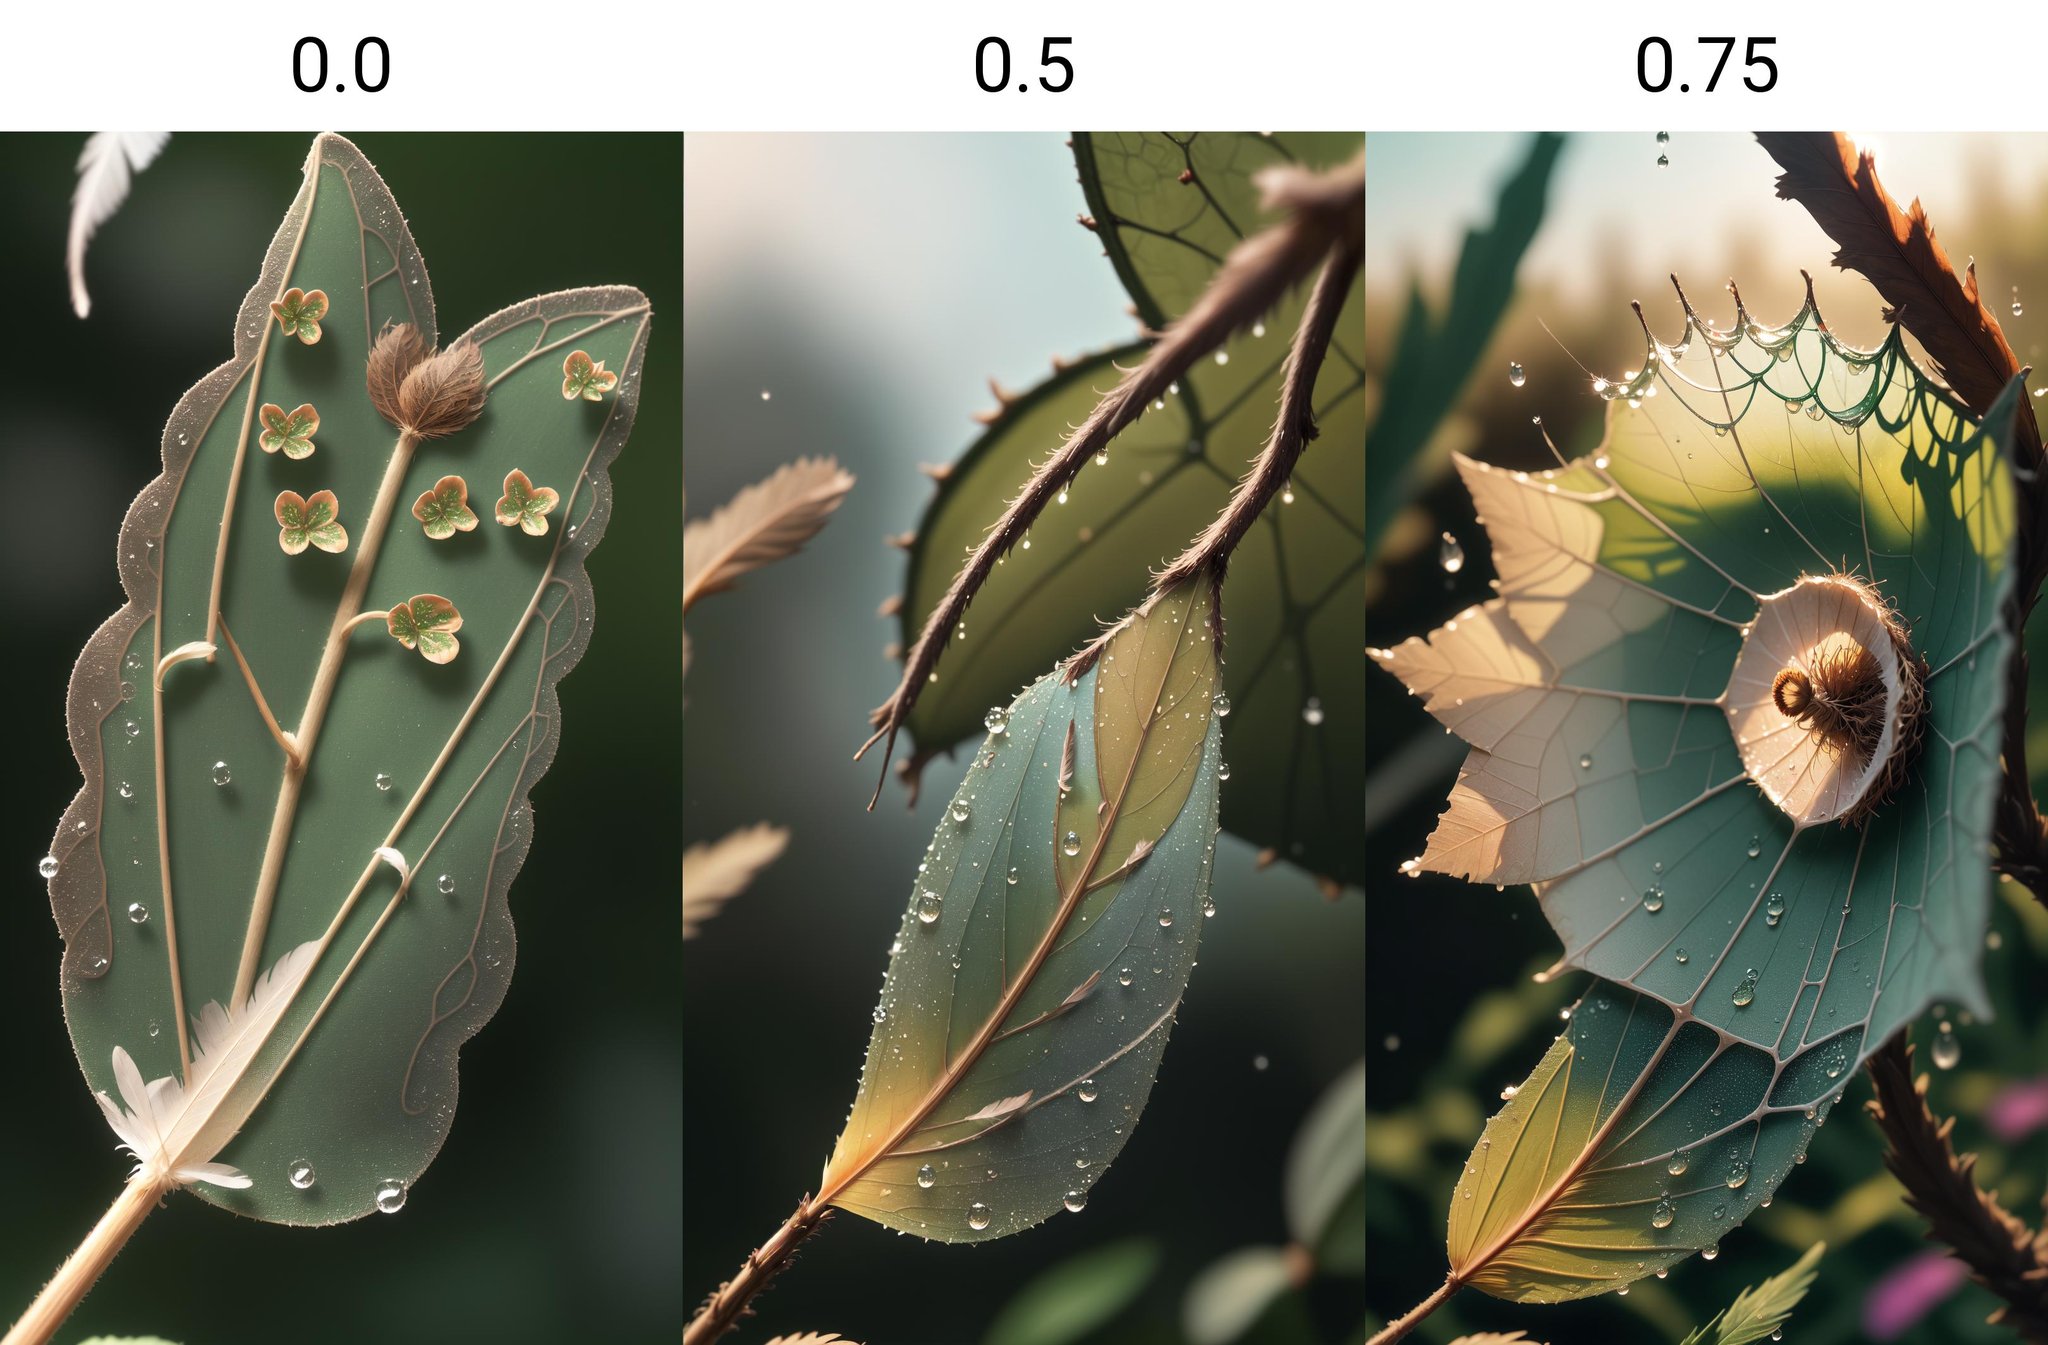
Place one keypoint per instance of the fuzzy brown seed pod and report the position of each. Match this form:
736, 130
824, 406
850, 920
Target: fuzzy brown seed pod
444, 393
1832, 655
399, 350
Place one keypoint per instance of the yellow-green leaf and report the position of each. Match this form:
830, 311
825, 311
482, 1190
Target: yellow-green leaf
1640, 1138
1047, 942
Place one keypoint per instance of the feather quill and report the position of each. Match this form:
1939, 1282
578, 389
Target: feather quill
721, 870
173, 1127
766, 522
106, 168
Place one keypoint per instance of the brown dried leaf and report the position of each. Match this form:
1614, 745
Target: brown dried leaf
1896, 251
766, 522
714, 873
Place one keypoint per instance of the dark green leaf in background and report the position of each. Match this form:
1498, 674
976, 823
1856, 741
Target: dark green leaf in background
1293, 599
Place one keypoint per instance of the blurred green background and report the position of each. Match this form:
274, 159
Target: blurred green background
551, 1214
1452, 1011
870, 285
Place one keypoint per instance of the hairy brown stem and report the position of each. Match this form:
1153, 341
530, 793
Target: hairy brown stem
1293, 428
1328, 212
2002, 1253
724, 1309
1412, 1318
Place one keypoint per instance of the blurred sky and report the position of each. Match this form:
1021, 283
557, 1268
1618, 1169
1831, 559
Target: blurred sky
902, 245
872, 285
1612, 208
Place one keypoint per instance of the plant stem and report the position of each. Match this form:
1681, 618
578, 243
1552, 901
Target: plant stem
1329, 211
1412, 1318
308, 728
85, 1265
723, 1310
1293, 427
2002, 1253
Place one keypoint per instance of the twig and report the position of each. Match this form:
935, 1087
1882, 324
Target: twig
1295, 425
1329, 209
724, 1309
1896, 251
2003, 1254
82, 1269
1293, 429
1412, 1318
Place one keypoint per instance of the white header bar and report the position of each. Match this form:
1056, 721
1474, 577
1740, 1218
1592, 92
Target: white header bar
1573, 66
758, 65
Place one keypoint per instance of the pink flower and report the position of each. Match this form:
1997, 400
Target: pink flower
2018, 1110
1908, 1292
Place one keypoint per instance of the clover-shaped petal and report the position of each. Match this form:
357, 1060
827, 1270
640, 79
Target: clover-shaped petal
525, 505
444, 510
426, 622
1735, 710
298, 313
290, 432
313, 521
585, 378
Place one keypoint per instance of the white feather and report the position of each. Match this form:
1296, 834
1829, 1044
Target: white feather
396, 859
106, 168
174, 1129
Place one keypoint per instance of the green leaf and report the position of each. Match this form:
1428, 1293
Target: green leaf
1759, 1312
1077, 1297
426, 622
1631, 765
1326, 1177
1296, 583
1641, 1137
525, 505
363, 893
288, 431
1434, 356
443, 509
1048, 939
1231, 1296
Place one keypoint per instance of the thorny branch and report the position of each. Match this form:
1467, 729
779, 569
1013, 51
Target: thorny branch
2002, 1253
1327, 222
1896, 251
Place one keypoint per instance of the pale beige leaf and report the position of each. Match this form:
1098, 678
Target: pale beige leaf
814, 1338
716, 872
1495, 1338
764, 523
1548, 754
